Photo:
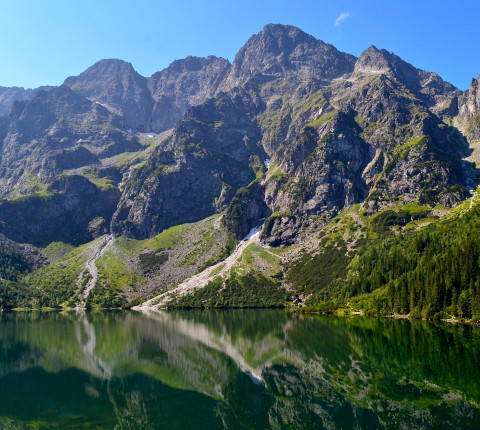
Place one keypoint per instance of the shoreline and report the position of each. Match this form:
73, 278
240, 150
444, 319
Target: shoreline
298, 311
343, 313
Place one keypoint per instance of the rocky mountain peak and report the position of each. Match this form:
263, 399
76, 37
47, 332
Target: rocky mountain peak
282, 51
469, 111
103, 69
183, 84
278, 38
180, 76
427, 86
374, 60
116, 85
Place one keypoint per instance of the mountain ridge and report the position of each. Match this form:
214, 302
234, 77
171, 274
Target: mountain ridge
289, 137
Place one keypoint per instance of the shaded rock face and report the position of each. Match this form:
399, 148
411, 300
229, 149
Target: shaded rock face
154, 104
57, 131
183, 84
118, 87
10, 95
56, 122
469, 111
293, 129
189, 178
63, 214
246, 211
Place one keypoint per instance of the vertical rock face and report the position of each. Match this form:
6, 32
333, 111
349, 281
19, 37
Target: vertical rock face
213, 151
183, 84
469, 102
469, 111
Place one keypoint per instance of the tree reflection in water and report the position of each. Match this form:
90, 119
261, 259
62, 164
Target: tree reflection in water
235, 369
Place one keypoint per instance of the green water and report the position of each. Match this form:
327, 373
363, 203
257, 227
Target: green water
235, 370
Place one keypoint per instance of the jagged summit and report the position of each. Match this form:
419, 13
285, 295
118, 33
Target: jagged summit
151, 104
116, 84
375, 60
284, 50
106, 80
285, 37
436, 93
183, 84
102, 68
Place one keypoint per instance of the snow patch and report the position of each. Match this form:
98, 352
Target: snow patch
252, 232
267, 163
151, 134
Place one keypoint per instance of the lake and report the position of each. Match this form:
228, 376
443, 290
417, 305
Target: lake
253, 369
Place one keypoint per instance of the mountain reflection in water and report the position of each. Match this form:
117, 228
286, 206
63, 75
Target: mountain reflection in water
253, 369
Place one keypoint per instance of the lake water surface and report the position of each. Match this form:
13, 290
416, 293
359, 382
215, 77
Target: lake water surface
253, 369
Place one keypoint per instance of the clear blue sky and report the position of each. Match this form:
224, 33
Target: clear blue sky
44, 41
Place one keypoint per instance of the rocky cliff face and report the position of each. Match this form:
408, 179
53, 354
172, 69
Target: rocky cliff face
373, 136
212, 152
53, 123
183, 84
45, 140
469, 111
293, 130
10, 95
73, 210
284, 51
469, 103
117, 86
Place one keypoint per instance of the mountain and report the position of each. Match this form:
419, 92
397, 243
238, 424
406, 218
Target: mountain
152, 104
117, 86
311, 155
282, 51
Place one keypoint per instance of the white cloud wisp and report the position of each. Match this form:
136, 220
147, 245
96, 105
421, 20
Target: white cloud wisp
342, 17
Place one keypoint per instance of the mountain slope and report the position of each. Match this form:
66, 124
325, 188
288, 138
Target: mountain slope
325, 152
